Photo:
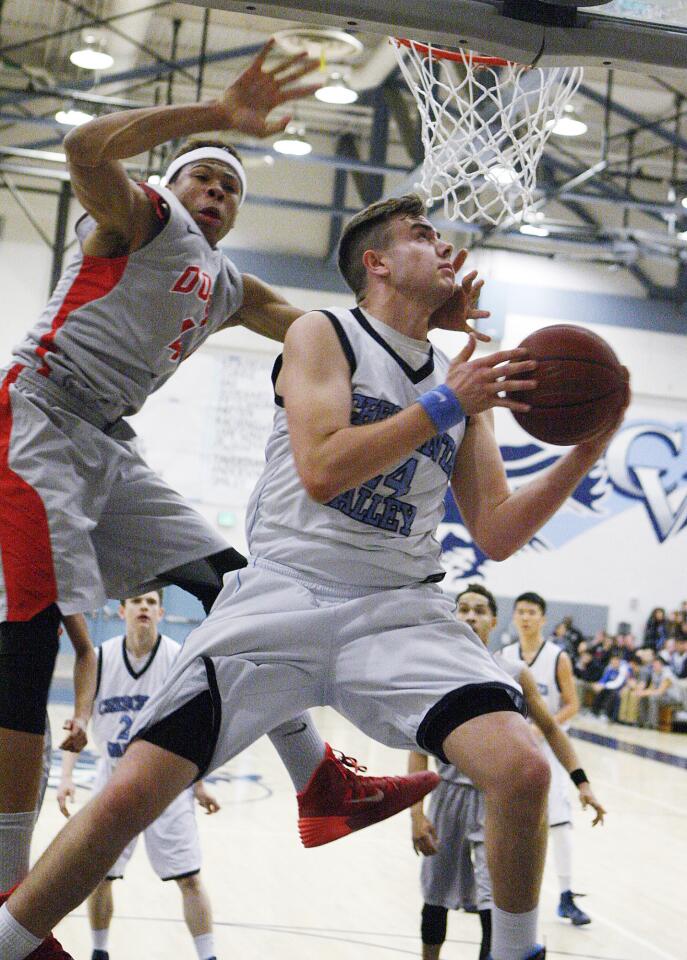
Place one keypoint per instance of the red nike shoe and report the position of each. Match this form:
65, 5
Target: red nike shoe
50, 948
337, 801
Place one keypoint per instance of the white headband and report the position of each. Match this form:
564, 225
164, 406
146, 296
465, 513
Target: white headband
207, 153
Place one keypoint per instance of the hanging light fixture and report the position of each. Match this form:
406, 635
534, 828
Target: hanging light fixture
92, 56
534, 230
336, 90
71, 117
293, 143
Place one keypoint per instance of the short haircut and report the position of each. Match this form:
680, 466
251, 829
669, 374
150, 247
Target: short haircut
531, 597
487, 594
158, 590
370, 229
194, 144
637, 660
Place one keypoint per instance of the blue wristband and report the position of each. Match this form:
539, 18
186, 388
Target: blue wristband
442, 406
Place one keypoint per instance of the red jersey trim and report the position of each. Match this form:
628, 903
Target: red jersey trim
27, 560
97, 276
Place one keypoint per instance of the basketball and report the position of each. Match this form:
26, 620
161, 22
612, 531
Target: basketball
580, 385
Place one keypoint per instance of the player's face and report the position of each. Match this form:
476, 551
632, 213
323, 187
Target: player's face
528, 619
210, 191
142, 614
474, 610
419, 260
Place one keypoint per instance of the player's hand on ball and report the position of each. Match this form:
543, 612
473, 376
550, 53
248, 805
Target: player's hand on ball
602, 439
463, 304
246, 104
485, 382
77, 738
66, 792
425, 839
587, 799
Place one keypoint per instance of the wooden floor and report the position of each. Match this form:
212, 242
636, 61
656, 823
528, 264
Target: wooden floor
359, 898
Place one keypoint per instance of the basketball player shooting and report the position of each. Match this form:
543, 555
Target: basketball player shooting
340, 605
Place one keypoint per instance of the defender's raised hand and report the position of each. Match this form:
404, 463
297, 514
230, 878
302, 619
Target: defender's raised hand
247, 102
462, 305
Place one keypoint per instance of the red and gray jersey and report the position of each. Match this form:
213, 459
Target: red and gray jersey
116, 328
382, 533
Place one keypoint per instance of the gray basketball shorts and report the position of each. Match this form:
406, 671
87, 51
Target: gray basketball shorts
456, 875
171, 841
276, 644
82, 516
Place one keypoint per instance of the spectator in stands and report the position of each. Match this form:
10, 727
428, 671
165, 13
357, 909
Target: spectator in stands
607, 689
637, 679
573, 636
656, 630
626, 643
678, 658
662, 690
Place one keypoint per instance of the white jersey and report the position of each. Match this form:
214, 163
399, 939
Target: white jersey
382, 533
115, 329
543, 669
123, 690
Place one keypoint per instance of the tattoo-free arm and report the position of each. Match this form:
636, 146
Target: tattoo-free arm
263, 310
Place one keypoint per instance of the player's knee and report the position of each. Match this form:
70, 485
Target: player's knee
190, 884
27, 660
529, 776
433, 928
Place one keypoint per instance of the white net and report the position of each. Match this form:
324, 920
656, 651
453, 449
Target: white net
484, 127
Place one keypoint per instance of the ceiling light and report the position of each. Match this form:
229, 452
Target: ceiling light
684, 201
72, 117
90, 59
501, 175
567, 127
293, 143
532, 230
336, 90
682, 235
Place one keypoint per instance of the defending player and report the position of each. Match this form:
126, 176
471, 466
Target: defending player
451, 838
340, 603
130, 669
83, 515
552, 669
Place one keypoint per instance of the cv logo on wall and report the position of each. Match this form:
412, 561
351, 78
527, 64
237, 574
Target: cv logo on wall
646, 462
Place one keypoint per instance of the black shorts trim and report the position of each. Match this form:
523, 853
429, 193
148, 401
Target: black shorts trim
181, 876
461, 705
192, 730
562, 823
120, 876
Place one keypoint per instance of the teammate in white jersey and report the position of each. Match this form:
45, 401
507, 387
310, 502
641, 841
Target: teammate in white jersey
451, 837
552, 669
83, 516
130, 670
371, 425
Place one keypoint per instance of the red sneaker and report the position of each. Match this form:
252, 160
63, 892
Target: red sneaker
336, 801
50, 949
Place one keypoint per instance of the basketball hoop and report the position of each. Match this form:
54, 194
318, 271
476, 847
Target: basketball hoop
485, 121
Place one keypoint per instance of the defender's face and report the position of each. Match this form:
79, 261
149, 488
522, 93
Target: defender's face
210, 191
142, 613
528, 618
419, 260
474, 610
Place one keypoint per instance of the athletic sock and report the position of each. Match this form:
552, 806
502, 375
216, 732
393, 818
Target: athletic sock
513, 935
100, 938
561, 837
16, 830
205, 946
15, 942
300, 748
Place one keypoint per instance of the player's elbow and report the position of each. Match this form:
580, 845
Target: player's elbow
79, 147
318, 486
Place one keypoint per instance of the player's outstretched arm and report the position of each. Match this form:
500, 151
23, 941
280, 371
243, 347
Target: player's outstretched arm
95, 150
263, 310
85, 675
558, 740
500, 520
332, 456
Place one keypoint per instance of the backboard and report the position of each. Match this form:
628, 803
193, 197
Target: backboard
639, 35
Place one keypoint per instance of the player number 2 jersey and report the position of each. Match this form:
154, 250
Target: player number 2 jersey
123, 690
383, 531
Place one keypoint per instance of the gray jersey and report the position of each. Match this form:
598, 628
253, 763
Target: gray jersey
116, 328
543, 669
382, 532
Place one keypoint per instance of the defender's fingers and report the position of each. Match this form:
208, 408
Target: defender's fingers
512, 405
460, 259
513, 385
285, 64
262, 55
307, 67
468, 349
298, 93
467, 280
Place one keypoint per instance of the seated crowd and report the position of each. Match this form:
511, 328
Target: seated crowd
625, 680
